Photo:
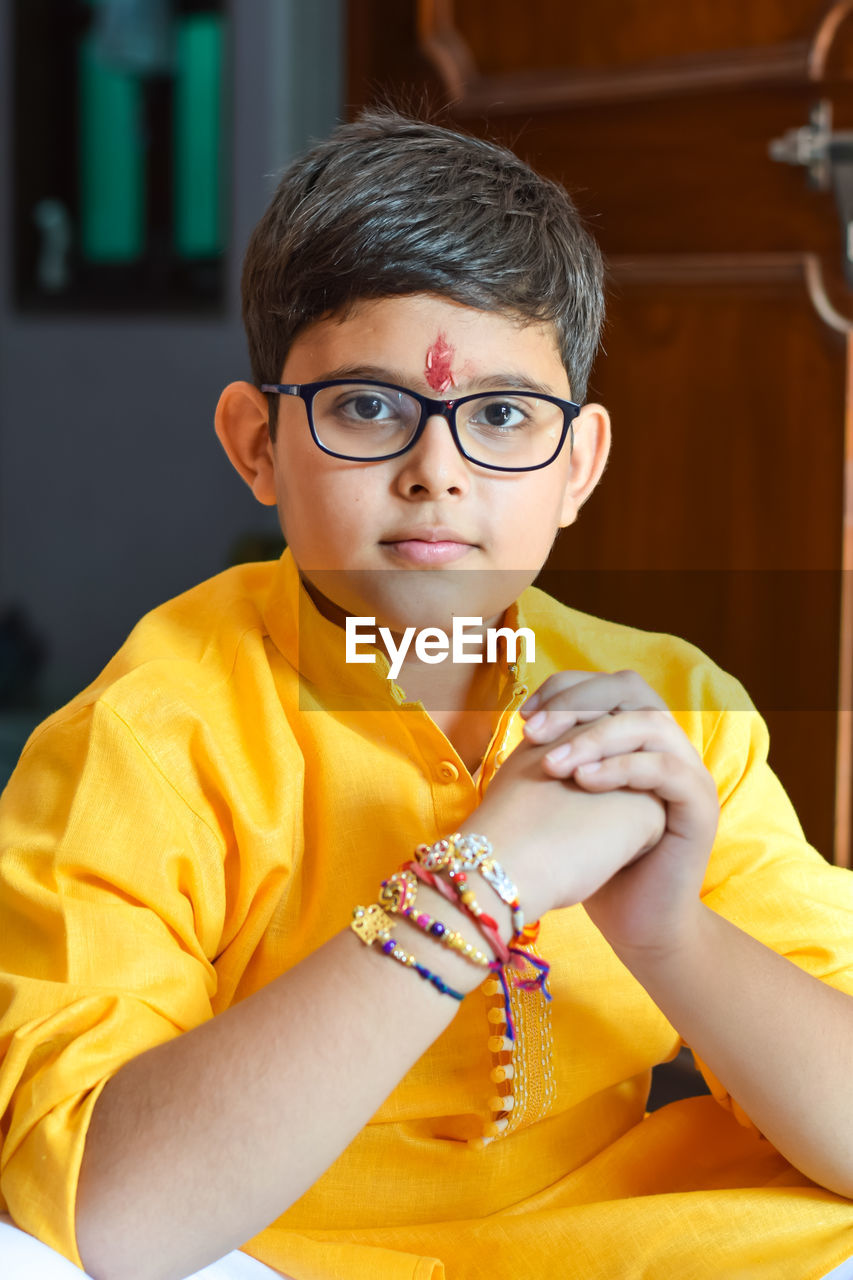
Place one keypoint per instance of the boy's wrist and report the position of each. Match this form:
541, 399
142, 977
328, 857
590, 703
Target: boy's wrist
511, 856
452, 923
456, 970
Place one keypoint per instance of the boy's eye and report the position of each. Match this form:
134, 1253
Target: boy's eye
498, 415
364, 405
367, 407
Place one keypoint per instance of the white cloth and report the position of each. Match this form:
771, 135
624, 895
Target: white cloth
22, 1257
842, 1272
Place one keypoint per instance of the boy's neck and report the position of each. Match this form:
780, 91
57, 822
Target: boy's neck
462, 698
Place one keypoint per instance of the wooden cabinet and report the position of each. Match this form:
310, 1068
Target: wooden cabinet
726, 513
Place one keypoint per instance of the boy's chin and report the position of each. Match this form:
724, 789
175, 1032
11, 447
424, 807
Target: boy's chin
401, 598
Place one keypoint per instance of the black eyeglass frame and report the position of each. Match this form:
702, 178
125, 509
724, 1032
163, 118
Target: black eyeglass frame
306, 391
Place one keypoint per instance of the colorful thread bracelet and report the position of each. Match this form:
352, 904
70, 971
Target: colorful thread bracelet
371, 924
447, 891
475, 853
524, 936
398, 893
520, 1036
457, 854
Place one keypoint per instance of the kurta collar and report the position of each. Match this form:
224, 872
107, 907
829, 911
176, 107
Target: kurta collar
316, 647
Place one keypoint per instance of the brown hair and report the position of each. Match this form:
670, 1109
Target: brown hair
391, 205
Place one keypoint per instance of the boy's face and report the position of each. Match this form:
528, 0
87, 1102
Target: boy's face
416, 539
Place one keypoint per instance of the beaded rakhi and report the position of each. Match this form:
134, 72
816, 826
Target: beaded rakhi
518, 1011
371, 924
398, 893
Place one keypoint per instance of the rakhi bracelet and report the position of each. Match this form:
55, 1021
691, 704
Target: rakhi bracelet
447, 891
525, 943
524, 935
520, 1038
397, 894
457, 854
506, 958
371, 924
493, 874
475, 853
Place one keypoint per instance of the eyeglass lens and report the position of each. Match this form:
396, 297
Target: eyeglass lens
363, 421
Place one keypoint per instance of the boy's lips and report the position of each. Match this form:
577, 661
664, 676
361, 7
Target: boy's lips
429, 546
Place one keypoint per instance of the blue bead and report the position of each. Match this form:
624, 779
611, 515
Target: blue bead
437, 928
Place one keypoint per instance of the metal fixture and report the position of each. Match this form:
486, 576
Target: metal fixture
828, 159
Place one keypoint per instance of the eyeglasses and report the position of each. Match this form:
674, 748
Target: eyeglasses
360, 421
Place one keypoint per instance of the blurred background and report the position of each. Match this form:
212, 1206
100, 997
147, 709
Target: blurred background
139, 144
710, 147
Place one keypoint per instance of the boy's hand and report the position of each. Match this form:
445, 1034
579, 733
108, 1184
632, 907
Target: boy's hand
559, 843
608, 733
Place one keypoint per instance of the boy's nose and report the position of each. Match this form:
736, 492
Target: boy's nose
434, 465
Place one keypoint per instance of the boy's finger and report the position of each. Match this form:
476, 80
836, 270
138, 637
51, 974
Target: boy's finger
584, 701
549, 724
691, 799
584, 693
649, 730
561, 679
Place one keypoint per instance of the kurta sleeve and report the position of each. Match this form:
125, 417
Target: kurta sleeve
763, 875
111, 908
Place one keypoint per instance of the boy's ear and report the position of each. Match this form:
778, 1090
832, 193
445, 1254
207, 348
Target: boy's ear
589, 457
242, 424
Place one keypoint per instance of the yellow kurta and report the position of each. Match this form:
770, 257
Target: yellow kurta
208, 813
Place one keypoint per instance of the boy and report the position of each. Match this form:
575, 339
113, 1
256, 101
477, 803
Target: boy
198, 1050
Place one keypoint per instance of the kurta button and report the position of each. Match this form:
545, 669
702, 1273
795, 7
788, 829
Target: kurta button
447, 771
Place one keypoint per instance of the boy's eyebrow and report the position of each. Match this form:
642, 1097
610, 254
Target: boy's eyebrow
500, 381
513, 381
373, 372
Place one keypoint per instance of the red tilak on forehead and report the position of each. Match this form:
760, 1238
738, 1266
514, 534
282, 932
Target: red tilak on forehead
438, 371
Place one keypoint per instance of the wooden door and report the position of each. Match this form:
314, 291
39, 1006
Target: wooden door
726, 513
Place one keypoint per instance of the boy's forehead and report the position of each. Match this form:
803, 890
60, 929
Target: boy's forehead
438, 369
438, 341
